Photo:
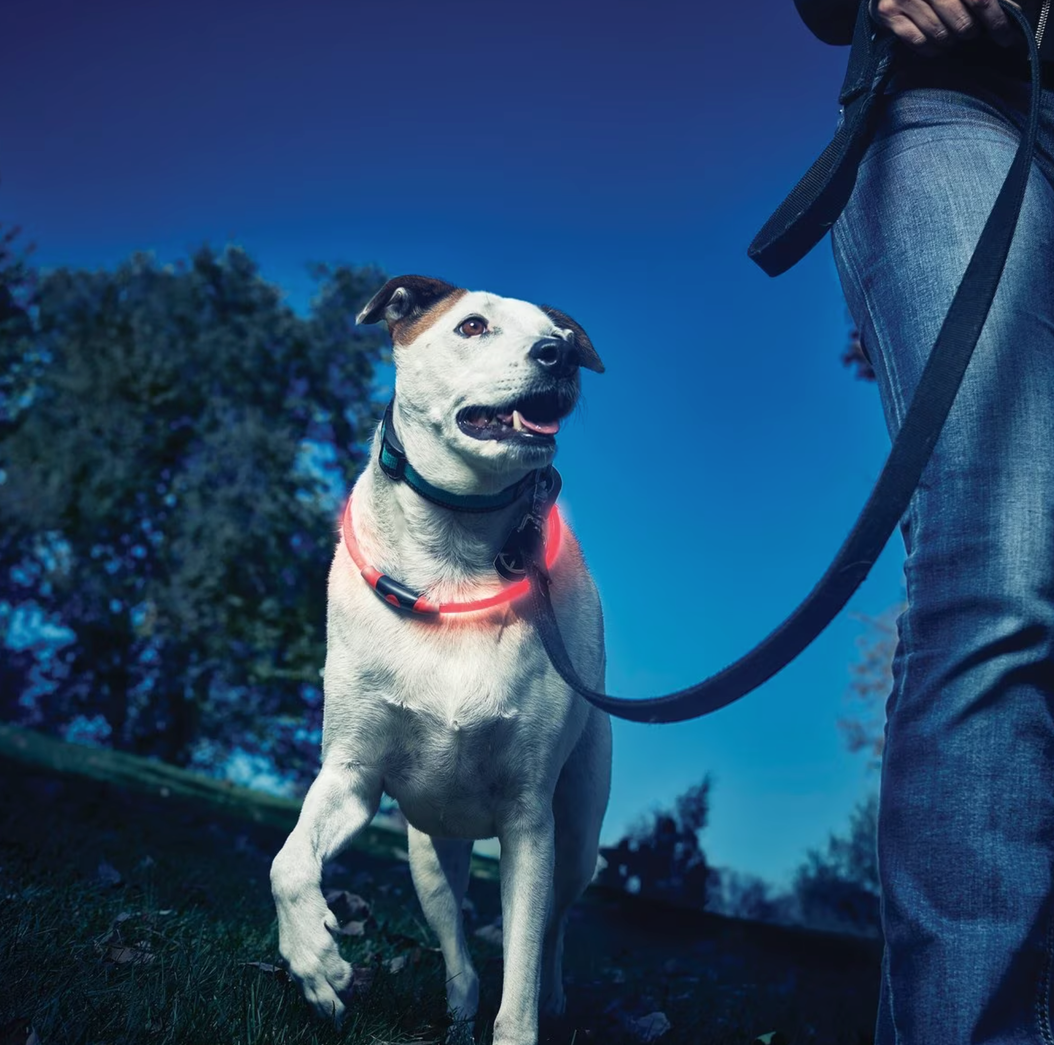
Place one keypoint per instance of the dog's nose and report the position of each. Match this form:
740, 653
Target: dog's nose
558, 357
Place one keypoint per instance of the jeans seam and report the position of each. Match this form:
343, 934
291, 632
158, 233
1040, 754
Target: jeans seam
892, 378
885, 360
898, 686
889, 995
1043, 991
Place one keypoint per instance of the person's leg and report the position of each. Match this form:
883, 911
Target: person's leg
966, 824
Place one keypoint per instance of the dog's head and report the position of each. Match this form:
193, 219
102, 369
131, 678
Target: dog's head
491, 377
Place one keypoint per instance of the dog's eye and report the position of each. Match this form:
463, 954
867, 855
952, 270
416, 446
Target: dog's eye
472, 327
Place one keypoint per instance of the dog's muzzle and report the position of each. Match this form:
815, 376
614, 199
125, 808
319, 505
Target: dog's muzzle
558, 358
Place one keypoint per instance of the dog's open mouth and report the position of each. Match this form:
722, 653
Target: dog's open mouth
534, 418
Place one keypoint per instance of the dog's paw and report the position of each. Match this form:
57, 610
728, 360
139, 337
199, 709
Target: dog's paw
329, 999
323, 976
462, 995
328, 987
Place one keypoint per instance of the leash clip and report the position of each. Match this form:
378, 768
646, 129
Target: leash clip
526, 544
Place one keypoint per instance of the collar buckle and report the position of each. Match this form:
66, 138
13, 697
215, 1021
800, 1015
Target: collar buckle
392, 458
393, 465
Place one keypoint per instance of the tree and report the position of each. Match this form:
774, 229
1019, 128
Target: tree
157, 499
737, 894
864, 729
18, 362
855, 355
838, 889
17, 365
662, 857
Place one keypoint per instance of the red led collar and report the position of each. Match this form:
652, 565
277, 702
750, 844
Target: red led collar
399, 595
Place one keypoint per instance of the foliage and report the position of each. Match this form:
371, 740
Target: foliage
839, 889
662, 857
737, 894
855, 355
872, 683
155, 500
18, 362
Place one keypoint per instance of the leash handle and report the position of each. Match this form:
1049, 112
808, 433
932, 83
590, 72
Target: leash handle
889, 499
813, 205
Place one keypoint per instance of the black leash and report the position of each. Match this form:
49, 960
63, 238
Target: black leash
799, 223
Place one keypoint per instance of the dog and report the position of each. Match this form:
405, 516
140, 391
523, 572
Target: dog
458, 717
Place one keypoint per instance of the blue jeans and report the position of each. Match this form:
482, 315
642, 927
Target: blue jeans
966, 823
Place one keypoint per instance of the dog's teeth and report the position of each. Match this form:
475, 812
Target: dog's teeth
517, 421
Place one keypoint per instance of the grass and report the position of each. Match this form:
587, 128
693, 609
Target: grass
155, 948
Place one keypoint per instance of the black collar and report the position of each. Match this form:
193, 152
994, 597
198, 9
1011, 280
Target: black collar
526, 541
394, 464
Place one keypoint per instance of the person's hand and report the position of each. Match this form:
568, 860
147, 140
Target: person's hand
931, 27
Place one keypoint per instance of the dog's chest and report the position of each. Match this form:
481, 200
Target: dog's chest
454, 779
463, 719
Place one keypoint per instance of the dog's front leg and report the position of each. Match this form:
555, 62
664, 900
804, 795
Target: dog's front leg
339, 804
526, 889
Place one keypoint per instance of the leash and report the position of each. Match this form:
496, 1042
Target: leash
792, 231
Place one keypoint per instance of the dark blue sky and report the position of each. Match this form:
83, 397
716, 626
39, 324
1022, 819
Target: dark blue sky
613, 160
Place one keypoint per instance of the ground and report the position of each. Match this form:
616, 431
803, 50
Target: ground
133, 918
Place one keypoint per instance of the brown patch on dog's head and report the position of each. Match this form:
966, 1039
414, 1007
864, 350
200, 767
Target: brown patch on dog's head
587, 354
409, 305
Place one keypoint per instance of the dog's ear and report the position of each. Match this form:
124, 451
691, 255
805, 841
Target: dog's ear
587, 354
405, 298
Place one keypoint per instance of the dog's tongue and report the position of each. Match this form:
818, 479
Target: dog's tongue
518, 421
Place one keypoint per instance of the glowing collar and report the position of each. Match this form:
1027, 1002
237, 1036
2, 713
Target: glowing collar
399, 595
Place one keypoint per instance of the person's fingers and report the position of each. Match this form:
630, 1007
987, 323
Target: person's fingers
994, 21
914, 23
956, 21
932, 27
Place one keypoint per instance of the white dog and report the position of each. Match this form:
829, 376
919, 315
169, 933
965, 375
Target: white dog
459, 717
